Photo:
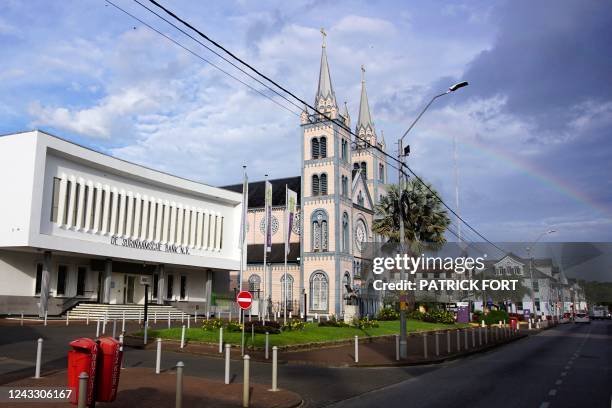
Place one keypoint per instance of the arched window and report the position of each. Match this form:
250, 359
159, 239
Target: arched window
360, 199
381, 172
345, 232
254, 285
364, 170
318, 292
323, 184
319, 231
345, 186
323, 147
346, 283
314, 147
344, 149
315, 185
289, 290
355, 166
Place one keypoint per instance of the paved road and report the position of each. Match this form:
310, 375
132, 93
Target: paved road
521, 374
568, 366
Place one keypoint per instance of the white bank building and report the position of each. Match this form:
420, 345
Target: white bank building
78, 226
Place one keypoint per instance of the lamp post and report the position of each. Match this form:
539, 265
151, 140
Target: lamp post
530, 255
404, 152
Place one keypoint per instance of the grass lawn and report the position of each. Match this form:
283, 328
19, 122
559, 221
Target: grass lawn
312, 333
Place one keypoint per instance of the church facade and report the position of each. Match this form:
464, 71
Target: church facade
342, 178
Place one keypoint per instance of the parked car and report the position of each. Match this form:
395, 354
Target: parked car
582, 318
599, 312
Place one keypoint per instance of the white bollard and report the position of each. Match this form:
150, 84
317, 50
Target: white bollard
139, 317
356, 349
246, 380
227, 363
274, 368
397, 347
183, 337
220, 339
155, 317
88, 317
46, 313
182, 317
104, 326
290, 315
168, 319
316, 316
188, 322
38, 357
121, 349
123, 322
179, 385
82, 396
67, 317
195, 317
529, 324
267, 344
98, 328
158, 356
482, 324
230, 316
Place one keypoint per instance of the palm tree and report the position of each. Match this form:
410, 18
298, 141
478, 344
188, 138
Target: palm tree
425, 220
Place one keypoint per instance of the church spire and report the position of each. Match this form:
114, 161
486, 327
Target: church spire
325, 98
364, 121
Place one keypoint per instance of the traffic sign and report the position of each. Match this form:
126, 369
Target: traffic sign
244, 300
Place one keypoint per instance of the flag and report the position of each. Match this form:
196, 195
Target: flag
268, 215
290, 217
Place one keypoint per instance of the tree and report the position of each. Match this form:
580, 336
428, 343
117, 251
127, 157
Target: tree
425, 219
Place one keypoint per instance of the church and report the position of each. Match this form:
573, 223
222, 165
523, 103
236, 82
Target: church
342, 178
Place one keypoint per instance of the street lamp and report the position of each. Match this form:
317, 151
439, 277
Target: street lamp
401, 153
530, 256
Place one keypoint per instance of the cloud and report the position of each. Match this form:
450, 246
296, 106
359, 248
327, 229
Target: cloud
359, 24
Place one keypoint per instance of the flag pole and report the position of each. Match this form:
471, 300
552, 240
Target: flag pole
245, 200
286, 227
265, 248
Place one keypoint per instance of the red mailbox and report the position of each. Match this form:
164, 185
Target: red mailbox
109, 367
82, 358
514, 323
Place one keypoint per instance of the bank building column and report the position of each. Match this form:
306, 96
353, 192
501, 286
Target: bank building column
106, 280
44, 284
161, 283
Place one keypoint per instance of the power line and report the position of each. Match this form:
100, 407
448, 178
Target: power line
199, 56
306, 104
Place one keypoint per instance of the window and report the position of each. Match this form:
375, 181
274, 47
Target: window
537, 304
360, 199
62, 271
319, 231
289, 290
323, 181
517, 270
345, 232
315, 185
39, 270
536, 285
170, 288
344, 149
519, 305
364, 170
183, 291
55, 198
314, 148
81, 277
323, 147
75, 210
345, 186
318, 291
381, 173
84, 214
346, 283
67, 202
254, 285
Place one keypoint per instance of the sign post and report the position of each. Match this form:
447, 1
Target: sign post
245, 301
146, 281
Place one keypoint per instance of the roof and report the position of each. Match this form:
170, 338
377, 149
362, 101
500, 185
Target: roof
277, 255
365, 118
325, 89
257, 191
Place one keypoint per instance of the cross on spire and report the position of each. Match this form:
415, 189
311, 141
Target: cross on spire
324, 34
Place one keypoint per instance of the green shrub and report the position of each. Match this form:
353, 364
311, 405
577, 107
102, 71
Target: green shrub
293, 325
477, 316
439, 316
364, 323
212, 324
234, 327
494, 316
415, 315
333, 322
388, 313
271, 327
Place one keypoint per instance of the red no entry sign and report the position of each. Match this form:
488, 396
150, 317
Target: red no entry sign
244, 300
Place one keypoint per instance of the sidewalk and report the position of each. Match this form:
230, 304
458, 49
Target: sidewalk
140, 387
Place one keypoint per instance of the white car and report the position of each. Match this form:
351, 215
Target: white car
582, 318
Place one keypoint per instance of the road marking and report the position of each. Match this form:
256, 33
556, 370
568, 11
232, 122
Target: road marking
563, 374
558, 382
552, 392
567, 367
545, 404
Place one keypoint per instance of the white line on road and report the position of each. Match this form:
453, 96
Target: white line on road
558, 382
545, 404
564, 373
552, 392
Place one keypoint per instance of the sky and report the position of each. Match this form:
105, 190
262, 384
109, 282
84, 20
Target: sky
533, 129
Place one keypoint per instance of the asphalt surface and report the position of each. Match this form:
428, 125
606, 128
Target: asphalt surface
567, 366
